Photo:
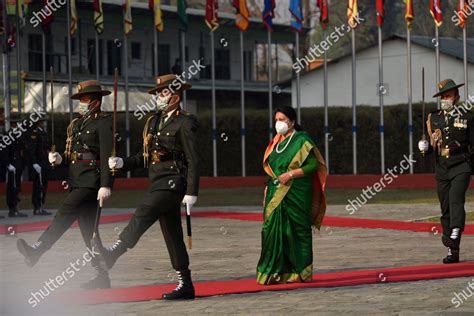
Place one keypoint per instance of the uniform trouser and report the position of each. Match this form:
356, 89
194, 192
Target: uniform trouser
165, 207
13, 188
452, 195
40, 187
80, 204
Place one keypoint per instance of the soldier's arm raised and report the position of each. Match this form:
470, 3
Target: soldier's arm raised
188, 140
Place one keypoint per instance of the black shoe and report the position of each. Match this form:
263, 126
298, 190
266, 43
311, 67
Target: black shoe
41, 212
451, 243
185, 288
15, 213
452, 257
101, 281
108, 256
31, 253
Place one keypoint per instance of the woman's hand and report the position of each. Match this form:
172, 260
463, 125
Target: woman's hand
285, 177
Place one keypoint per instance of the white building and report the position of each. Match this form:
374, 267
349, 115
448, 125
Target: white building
395, 73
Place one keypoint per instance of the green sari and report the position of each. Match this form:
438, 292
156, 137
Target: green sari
290, 211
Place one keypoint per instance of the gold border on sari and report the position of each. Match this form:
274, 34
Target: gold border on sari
282, 278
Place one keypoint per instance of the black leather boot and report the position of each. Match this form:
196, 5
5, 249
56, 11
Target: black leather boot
100, 281
15, 213
31, 253
41, 212
452, 257
108, 256
185, 288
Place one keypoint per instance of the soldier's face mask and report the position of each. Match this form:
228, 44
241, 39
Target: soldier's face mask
162, 102
447, 104
85, 107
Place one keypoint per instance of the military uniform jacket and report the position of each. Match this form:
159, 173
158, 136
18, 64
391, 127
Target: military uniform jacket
15, 153
177, 137
91, 135
453, 132
37, 146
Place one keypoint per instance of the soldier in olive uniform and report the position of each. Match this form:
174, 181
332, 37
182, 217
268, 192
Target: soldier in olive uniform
169, 153
451, 132
88, 146
37, 148
15, 162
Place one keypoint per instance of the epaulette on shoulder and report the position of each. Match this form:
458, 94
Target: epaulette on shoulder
435, 112
185, 113
101, 115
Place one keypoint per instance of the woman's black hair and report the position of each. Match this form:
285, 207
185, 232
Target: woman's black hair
289, 113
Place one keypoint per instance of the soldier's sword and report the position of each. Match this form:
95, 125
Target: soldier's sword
188, 226
114, 119
423, 123
53, 146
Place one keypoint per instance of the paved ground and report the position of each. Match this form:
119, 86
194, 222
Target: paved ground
224, 249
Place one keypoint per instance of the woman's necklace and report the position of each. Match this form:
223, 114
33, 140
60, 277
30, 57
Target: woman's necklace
279, 151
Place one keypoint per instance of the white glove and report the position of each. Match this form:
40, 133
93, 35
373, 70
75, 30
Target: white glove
37, 168
423, 145
55, 158
11, 168
103, 194
190, 200
115, 162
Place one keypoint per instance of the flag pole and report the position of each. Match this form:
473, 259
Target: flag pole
298, 82
69, 59
381, 103
155, 51
410, 109
270, 100
354, 119
125, 72
43, 55
326, 112
18, 57
213, 92
97, 59
437, 63
6, 79
464, 43
242, 104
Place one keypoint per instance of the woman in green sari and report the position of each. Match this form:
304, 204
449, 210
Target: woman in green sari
294, 201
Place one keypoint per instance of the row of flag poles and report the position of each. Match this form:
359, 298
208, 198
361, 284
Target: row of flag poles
19, 8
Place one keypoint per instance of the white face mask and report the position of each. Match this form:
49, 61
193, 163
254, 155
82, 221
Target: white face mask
162, 102
83, 108
447, 105
281, 127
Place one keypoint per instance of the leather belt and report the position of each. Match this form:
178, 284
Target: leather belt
75, 156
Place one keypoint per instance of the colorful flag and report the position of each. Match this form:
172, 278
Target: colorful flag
74, 18
11, 7
409, 14
323, 12
352, 13
46, 23
379, 5
98, 16
155, 7
212, 19
268, 14
127, 9
462, 13
183, 18
296, 11
242, 14
435, 10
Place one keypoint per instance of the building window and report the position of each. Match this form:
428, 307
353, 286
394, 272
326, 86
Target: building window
35, 53
114, 57
222, 59
248, 65
136, 50
163, 58
91, 58
73, 46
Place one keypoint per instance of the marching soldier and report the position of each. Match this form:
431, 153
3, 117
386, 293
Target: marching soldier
451, 132
88, 145
15, 162
169, 153
37, 149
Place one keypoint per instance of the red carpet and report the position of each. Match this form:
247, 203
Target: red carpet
331, 221
323, 280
